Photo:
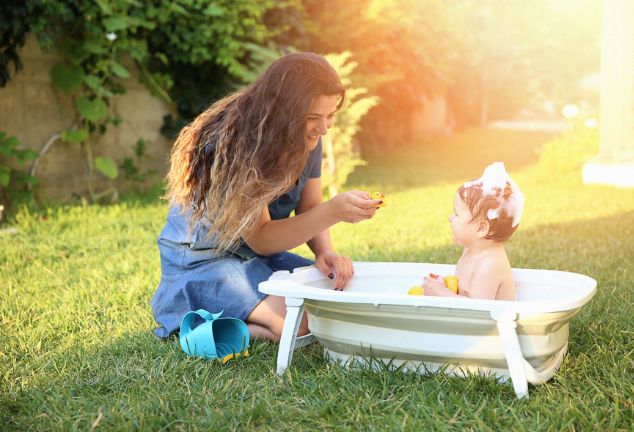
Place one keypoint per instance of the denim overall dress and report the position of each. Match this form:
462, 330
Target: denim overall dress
194, 275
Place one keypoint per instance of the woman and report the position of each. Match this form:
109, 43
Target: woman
237, 172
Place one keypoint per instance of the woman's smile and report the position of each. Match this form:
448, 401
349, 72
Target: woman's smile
320, 117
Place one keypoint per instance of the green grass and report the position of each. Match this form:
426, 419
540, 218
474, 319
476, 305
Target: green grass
76, 344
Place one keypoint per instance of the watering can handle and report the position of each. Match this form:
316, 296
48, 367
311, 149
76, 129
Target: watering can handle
187, 319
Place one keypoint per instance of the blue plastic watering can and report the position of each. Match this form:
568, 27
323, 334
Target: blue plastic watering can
206, 335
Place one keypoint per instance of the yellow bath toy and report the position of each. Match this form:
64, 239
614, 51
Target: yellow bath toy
451, 282
416, 290
379, 196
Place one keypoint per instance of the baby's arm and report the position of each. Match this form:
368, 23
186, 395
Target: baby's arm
437, 287
484, 284
434, 286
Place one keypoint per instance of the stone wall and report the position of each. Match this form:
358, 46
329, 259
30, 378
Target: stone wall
33, 110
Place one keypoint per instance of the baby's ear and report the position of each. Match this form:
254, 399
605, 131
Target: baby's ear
483, 228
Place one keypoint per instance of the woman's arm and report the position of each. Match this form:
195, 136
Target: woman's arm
337, 267
312, 197
273, 236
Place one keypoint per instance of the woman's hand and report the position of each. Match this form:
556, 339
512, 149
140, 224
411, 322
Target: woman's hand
436, 287
353, 206
337, 267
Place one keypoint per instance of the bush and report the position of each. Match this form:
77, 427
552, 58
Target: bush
341, 154
568, 152
14, 183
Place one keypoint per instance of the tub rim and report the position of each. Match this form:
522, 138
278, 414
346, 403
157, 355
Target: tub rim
286, 284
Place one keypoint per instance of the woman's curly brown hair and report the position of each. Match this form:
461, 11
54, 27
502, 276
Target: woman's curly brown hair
248, 148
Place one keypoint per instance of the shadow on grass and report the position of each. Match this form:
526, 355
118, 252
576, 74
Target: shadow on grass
585, 246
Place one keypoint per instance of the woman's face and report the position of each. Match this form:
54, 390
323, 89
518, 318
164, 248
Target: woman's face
319, 118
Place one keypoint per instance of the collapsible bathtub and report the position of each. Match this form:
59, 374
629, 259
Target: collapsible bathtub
374, 318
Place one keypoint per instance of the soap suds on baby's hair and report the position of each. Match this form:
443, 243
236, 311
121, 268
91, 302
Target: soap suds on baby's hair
494, 180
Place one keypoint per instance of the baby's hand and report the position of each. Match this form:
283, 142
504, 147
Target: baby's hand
435, 286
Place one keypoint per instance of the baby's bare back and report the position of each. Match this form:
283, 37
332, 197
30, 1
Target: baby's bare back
486, 275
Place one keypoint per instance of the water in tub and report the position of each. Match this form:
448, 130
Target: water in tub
399, 284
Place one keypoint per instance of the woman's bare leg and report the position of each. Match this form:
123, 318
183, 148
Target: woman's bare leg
267, 319
260, 332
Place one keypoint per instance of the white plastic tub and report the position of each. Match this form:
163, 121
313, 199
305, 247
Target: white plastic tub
524, 340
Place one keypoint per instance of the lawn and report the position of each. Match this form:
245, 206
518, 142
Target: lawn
76, 343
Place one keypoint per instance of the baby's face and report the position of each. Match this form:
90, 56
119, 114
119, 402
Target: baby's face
464, 230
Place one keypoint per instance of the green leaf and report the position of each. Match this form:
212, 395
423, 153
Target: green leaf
104, 6
150, 80
8, 146
5, 176
119, 70
44, 39
107, 167
25, 155
213, 10
140, 22
115, 23
29, 154
129, 168
138, 49
92, 110
67, 78
139, 149
92, 81
10, 142
95, 46
75, 54
75, 136
178, 9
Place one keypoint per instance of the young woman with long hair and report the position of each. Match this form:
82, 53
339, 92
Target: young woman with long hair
237, 173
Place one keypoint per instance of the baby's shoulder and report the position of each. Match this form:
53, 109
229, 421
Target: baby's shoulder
495, 263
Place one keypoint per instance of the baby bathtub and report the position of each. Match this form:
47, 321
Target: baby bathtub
374, 318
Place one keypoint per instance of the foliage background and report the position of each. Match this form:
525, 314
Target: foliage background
187, 52
487, 59
505, 54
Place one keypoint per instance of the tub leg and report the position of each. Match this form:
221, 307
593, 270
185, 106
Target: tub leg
515, 360
294, 310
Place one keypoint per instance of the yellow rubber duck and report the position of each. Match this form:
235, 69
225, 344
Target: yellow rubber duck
451, 282
416, 290
379, 196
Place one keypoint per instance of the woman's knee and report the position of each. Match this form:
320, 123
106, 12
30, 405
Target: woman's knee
277, 330
303, 331
271, 314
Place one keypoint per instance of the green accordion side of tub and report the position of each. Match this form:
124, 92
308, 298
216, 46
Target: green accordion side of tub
456, 341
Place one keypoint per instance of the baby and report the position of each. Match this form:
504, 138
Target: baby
487, 212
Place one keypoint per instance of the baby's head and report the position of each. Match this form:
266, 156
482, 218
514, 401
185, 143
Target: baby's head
495, 199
